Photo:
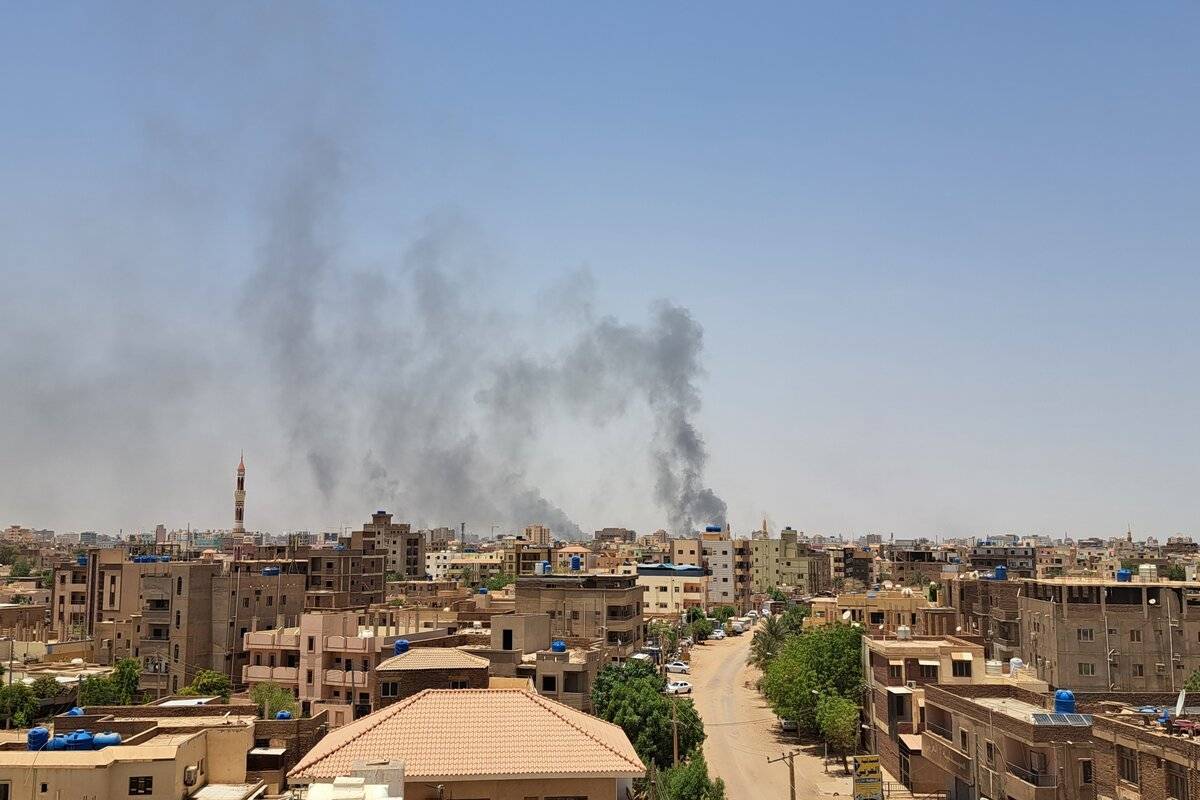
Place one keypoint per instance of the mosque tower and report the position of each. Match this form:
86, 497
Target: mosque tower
239, 498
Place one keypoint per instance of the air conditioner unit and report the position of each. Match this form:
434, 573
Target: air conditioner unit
189, 776
911, 684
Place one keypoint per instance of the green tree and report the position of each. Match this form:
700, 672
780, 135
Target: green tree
701, 629
210, 683
20, 569
837, 722
724, 613
822, 661
631, 696
1193, 682
766, 642
689, 781
498, 582
9, 553
792, 620
45, 686
694, 614
271, 698
18, 705
778, 596
127, 674
101, 690
666, 634
1176, 572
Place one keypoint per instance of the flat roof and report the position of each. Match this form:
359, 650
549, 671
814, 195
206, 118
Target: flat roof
187, 701
1017, 709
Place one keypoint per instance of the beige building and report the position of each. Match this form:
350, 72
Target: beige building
539, 535
498, 744
590, 607
787, 562
403, 548
884, 612
672, 589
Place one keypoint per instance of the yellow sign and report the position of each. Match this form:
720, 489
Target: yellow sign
868, 779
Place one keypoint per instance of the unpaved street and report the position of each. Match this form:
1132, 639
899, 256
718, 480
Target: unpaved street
742, 732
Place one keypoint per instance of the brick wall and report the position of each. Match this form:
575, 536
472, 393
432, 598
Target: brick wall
409, 682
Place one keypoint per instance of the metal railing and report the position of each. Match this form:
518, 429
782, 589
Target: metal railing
945, 733
1031, 777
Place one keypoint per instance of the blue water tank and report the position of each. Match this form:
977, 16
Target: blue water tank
81, 561
165, 559
545, 567
1064, 702
558, 646
38, 737
1124, 575
576, 563
80, 740
270, 572
283, 715
59, 742
713, 529
1001, 573
401, 646
106, 739
76, 712
340, 547
483, 590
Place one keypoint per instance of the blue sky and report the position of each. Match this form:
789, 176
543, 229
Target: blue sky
945, 255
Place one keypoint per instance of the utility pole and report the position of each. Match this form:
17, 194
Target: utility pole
675, 739
790, 758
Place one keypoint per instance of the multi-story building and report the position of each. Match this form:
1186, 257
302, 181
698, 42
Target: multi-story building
687, 551
743, 567
415, 669
348, 575
718, 558
522, 558
914, 561
673, 589
603, 607
988, 608
404, 548
898, 672
614, 536
538, 535
884, 612
788, 562
1020, 561
1094, 634
1003, 741
1137, 758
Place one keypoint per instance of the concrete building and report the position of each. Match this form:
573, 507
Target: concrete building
592, 607
420, 668
1138, 759
1021, 562
687, 551
538, 535
522, 558
988, 608
1091, 634
614, 536
884, 611
404, 548
503, 744
717, 556
787, 562
672, 589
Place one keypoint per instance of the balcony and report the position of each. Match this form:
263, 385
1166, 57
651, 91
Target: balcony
941, 731
1030, 785
1004, 614
257, 672
938, 750
352, 679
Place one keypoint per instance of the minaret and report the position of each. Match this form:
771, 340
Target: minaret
239, 498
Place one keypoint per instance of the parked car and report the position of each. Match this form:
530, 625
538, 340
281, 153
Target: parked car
719, 633
678, 687
752, 613
789, 724
679, 666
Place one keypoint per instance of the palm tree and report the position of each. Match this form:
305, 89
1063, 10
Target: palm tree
766, 642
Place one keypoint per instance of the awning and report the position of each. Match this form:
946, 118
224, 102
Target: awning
961, 656
899, 690
896, 662
911, 741
929, 662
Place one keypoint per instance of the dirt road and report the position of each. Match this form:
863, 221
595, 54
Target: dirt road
742, 732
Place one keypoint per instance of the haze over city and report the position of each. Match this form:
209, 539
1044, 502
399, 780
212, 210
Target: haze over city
925, 270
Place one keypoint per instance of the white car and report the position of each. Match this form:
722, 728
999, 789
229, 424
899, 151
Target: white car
719, 633
679, 666
752, 613
678, 687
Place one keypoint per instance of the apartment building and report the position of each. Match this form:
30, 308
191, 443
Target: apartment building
673, 589
1020, 561
717, 557
988, 608
788, 562
471, 567
614, 536
522, 558
1138, 758
1092, 634
348, 575
592, 607
898, 671
415, 669
687, 551
1004, 741
914, 562
403, 548
884, 611
538, 535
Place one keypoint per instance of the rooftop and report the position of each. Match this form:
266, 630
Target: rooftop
422, 658
476, 733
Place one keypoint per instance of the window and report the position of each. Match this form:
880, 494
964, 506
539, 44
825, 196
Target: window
141, 785
387, 689
960, 669
308, 677
1086, 635
895, 671
1087, 668
45, 787
962, 741
1135, 636
549, 683
1139, 670
1085, 770
990, 750
312, 645
458, 684
1127, 766
929, 671
1177, 781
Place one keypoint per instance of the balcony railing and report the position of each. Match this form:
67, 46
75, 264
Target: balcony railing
940, 730
1040, 779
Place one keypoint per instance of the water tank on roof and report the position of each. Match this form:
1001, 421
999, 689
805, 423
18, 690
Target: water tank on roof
270, 572
75, 712
165, 559
1064, 702
483, 590
1001, 573
106, 739
713, 529
38, 737
576, 563
283, 715
59, 742
545, 568
1015, 665
993, 667
558, 646
81, 561
80, 740
400, 647
1124, 575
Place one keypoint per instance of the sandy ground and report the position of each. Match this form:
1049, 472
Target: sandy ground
742, 732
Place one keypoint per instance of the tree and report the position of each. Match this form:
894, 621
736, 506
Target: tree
837, 721
695, 614
689, 781
1193, 682
822, 661
666, 634
498, 582
392, 576
271, 698
766, 642
45, 686
630, 695
778, 596
18, 705
100, 690
209, 683
127, 674
20, 569
701, 629
724, 613
1176, 572
792, 620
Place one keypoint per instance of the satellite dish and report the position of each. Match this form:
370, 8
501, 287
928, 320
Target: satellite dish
1179, 702
1153, 601
846, 614
958, 629
888, 584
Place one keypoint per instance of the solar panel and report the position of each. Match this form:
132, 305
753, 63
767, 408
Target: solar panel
1041, 719
1079, 719
1059, 719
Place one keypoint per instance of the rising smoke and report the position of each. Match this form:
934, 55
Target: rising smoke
396, 388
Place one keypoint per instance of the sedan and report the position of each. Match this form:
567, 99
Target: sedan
718, 634
678, 666
678, 687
